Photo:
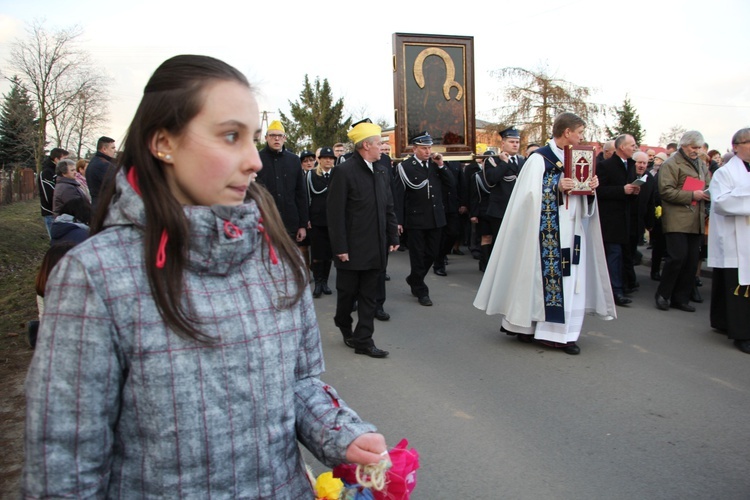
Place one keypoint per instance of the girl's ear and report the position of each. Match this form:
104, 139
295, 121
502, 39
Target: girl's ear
162, 146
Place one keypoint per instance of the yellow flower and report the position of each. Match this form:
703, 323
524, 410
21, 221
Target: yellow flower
328, 487
657, 212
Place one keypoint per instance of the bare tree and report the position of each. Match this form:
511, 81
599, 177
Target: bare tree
533, 99
56, 73
672, 135
87, 114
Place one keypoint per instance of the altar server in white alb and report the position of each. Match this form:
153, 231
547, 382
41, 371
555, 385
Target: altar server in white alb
548, 268
729, 244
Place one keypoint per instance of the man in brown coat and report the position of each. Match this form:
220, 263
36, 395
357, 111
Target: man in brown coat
683, 180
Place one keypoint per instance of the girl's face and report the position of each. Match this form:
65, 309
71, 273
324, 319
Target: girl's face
215, 158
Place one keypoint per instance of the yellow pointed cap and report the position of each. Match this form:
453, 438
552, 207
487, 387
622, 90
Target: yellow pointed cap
276, 125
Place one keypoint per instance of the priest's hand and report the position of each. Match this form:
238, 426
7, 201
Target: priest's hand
566, 184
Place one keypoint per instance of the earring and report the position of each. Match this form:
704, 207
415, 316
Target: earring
168, 157
163, 156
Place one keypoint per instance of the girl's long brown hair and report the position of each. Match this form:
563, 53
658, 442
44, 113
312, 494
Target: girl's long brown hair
172, 98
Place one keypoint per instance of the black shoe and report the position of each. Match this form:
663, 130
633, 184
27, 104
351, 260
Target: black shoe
476, 255
506, 332
372, 351
622, 300
387, 277
318, 290
348, 337
326, 290
656, 276
440, 271
382, 315
402, 248
425, 300
571, 349
698, 281
743, 345
695, 296
661, 302
456, 251
629, 291
525, 338
684, 307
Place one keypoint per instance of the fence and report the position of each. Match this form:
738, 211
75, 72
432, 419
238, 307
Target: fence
17, 185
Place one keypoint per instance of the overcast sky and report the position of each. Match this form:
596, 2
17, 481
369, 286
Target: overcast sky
681, 63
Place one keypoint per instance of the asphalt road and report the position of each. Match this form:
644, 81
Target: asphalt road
655, 407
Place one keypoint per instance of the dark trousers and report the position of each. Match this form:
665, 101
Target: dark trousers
628, 261
730, 304
615, 256
423, 247
658, 247
363, 287
448, 238
380, 296
678, 276
495, 223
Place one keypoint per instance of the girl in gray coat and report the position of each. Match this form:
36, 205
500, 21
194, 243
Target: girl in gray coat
179, 353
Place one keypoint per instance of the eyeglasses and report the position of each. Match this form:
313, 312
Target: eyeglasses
741, 143
276, 136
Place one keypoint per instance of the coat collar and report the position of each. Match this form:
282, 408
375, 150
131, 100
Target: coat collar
221, 237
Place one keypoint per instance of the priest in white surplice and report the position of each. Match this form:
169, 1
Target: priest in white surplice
548, 268
728, 242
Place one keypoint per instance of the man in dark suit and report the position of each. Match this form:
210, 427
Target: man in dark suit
616, 194
363, 229
642, 216
453, 199
501, 174
418, 192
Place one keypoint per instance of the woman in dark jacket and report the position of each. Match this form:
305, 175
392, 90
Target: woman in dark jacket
67, 187
317, 187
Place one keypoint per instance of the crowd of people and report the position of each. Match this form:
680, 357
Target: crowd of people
195, 292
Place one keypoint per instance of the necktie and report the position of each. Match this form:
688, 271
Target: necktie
325, 175
424, 163
513, 160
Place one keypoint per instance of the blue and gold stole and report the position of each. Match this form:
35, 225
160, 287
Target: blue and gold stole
552, 258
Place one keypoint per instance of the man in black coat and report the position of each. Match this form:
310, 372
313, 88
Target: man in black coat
642, 216
101, 168
283, 177
363, 229
453, 198
617, 196
501, 172
418, 192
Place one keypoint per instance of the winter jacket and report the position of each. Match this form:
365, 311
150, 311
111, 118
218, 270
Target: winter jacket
120, 406
66, 190
100, 169
46, 181
679, 215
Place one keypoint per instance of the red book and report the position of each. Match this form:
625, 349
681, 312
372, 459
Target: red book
693, 184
